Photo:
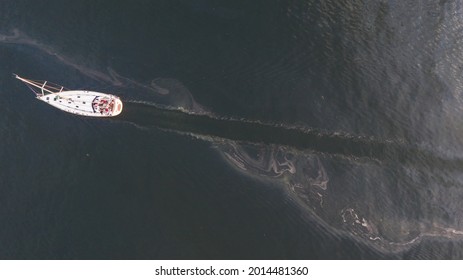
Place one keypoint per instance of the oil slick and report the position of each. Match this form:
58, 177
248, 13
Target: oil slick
351, 191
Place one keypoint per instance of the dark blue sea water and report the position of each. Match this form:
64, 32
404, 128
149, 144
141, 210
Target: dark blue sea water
251, 130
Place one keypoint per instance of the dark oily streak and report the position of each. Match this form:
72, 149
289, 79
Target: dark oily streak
317, 141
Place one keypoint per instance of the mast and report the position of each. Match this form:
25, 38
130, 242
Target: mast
44, 88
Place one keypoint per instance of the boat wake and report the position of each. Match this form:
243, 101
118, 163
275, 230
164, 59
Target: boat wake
359, 148
361, 197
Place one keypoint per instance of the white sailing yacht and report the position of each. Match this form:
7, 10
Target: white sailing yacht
79, 102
